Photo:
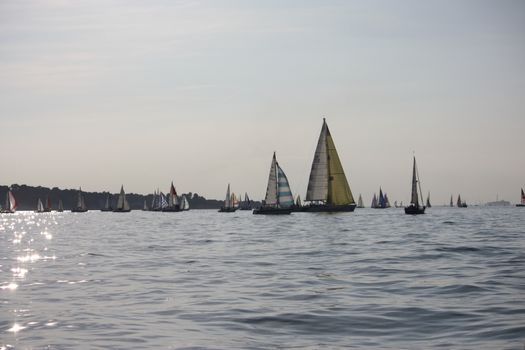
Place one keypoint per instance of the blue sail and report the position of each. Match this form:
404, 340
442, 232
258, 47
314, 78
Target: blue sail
284, 192
382, 203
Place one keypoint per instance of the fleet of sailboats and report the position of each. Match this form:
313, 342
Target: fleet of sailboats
328, 189
278, 199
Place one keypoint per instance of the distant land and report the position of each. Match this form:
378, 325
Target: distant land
27, 198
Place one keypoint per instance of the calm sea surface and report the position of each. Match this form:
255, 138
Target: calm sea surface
372, 279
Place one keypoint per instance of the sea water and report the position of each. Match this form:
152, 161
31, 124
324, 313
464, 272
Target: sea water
373, 279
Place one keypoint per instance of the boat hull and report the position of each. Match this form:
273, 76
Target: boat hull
227, 210
121, 210
171, 209
413, 210
328, 208
520, 205
106, 209
78, 210
272, 211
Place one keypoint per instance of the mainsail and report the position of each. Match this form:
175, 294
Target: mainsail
40, 206
228, 199
360, 202
522, 197
271, 190
414, 198
328, 181
122, 203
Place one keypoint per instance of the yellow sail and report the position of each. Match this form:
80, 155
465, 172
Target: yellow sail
338, 190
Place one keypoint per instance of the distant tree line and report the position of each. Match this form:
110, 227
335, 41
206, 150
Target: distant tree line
27, 198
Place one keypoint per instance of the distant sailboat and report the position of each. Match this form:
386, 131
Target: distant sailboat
60, 206
374, 202
451, 201
184, 203
328, 189
360, 202
173, 204
10, 203
381, 202
428, 201
122, 202
246, 204
228, 206
39, 206
81, 203
107, 205
145, 208
279, 199
48, 206
460, 203
522, 204
415, 207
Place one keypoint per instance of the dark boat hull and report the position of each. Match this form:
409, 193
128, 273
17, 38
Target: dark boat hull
520, 205
77, 210
413, 210
327, 208
121, 211
106, 209
272, 211
171, 209
227, 210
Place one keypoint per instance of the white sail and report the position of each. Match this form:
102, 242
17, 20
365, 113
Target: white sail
107, 205
40, 206
227, 200
186, 203
318, 182
12, 205
80, 199
60, 205
271, 190
122, 203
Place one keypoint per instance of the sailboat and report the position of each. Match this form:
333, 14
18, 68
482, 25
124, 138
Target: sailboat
246, 204
228, 206
173, 204
328, 189
522, 204
81, 203
145, 208
415, 207
428, 201
39, 206
107, 205
360, 202
10, 203
460, 203
451, 201
381, 201
278, 199
184, 203
122, 202
48, 206
60, 206
374, 202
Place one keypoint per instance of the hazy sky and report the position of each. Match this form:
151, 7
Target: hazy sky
99, 93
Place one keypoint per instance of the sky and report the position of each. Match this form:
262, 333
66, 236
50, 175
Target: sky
141, 93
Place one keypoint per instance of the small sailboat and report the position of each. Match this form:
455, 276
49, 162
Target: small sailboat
328, 189
360, 202
246, 204
172, 204
451, 201
80, 207
374, 202
279, 199
184, 203
428, 201
39, 206
107, 205
122, 202
381, 202
522, 204
228, 206
60, 206
145, 207
48, 206
460, 203
415, 207
10, 203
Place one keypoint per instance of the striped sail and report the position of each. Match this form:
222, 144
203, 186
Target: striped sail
284, 192
271, 190
318, 182
338, 189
